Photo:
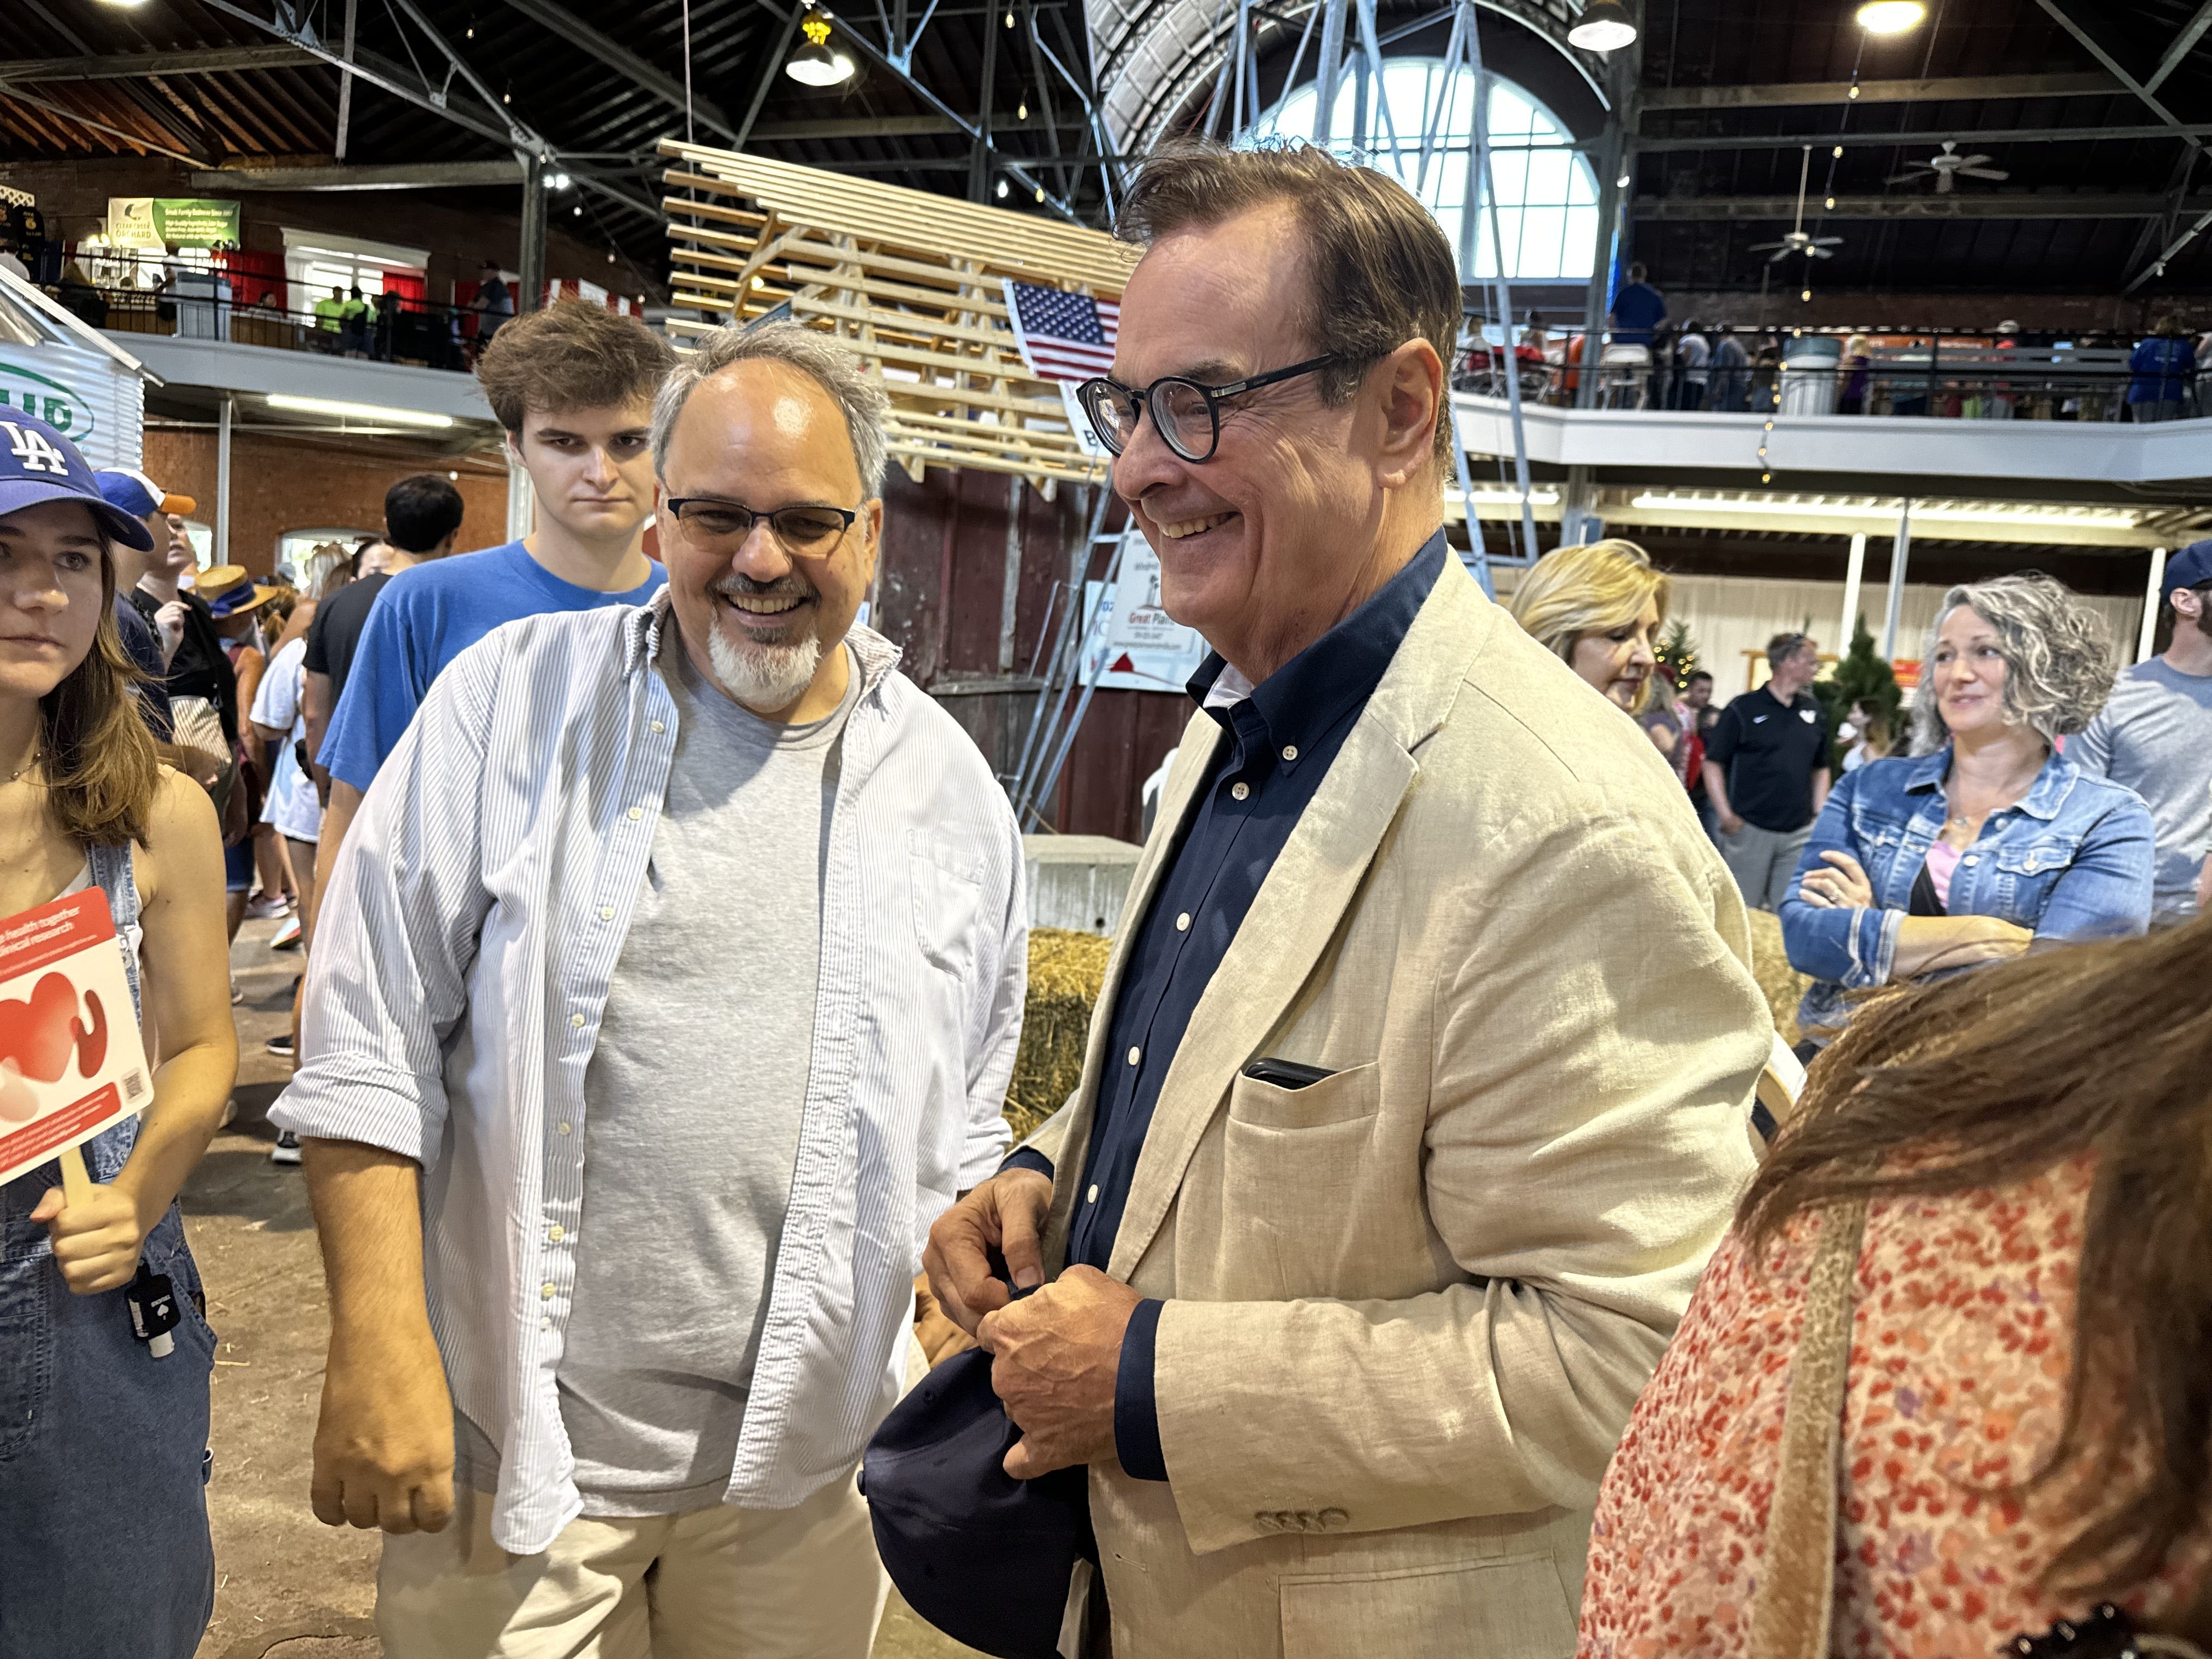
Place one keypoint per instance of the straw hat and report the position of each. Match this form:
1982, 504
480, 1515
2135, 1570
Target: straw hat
229, 591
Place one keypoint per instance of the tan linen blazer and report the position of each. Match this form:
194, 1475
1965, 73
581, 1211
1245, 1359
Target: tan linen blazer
1409, 1307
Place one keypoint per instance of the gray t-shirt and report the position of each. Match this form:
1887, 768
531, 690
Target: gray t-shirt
2154, 735
692, 1105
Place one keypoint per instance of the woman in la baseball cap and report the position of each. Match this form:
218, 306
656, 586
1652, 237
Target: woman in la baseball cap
104, 1545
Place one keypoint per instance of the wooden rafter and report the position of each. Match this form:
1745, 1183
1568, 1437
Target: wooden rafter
912, 282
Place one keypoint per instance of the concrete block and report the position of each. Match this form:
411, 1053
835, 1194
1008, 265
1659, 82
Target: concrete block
1078, 882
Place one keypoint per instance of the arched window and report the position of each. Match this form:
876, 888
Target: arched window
1547, 193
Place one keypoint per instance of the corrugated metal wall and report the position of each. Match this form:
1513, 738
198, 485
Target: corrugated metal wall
957, 548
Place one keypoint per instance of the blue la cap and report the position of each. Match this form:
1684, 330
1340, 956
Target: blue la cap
38, 463
2190, 567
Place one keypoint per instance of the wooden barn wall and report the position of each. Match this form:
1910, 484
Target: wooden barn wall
951, 546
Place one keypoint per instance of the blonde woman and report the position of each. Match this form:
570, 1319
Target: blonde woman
1599, 608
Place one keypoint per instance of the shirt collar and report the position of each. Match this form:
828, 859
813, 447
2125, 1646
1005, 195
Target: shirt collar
1307, 695
2043, 797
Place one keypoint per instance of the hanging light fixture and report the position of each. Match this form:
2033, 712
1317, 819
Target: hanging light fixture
815, 63
1002, 189
1890, 16
1604, 26
1021, 109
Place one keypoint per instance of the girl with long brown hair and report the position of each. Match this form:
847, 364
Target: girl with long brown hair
104, 1546
2024, 1338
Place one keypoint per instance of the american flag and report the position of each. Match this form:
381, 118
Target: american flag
1063, 335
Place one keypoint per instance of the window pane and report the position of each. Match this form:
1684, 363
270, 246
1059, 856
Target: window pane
1554, 243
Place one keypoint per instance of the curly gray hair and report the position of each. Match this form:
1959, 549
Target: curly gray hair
797, 346
2058, 653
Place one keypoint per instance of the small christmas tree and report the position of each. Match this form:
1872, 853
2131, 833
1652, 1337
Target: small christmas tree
1861, 677
1678, 653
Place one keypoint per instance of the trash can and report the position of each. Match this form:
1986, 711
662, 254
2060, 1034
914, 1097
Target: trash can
1811, 373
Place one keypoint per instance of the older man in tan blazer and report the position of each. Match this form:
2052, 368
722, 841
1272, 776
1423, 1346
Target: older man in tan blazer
1417, 1090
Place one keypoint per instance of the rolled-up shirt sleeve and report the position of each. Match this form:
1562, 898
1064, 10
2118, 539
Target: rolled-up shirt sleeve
397, 932
1852, 948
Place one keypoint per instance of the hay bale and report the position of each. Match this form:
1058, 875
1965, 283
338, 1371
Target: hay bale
1066, 970
1783, 986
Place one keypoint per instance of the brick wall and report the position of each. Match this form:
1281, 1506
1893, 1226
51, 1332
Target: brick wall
280, 484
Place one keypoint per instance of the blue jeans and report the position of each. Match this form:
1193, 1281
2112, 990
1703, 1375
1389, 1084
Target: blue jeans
104, 1545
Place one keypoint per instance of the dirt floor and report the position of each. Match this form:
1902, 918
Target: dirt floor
287, 1586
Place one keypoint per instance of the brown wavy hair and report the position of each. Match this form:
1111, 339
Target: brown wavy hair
1994, 1077
101, 770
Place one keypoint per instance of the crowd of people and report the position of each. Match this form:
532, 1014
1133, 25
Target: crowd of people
1411, 1271
1650, 360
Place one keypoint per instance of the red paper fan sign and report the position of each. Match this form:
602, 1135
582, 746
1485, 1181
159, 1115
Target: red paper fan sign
71, 1063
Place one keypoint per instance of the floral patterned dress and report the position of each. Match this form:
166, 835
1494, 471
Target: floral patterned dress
1961, 1354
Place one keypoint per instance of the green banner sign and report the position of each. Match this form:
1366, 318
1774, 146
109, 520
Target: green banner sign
189, 221
171, 220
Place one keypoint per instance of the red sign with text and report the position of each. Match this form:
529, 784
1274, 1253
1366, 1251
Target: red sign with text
71, 1062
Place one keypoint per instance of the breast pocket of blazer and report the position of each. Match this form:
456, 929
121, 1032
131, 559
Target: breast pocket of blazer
947, 902
1346, 1097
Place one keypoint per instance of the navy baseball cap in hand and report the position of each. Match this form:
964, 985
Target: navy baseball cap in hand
37, 464
985, 1558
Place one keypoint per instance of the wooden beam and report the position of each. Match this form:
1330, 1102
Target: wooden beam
404, 175
1784, 94
131, 65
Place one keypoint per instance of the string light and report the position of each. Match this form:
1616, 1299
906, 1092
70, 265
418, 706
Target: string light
1009, 17
1040, 194
1838, 153
1021, 109
1806, 294
1766, 477
1002, 187
1831, 204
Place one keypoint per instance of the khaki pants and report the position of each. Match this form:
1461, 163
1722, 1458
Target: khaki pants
732, 1584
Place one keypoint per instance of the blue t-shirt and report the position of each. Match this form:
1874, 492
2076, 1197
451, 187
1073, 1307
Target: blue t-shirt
1637, 310
426, 617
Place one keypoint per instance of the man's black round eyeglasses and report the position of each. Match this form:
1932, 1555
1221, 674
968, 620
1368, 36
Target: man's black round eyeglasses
1187, 413
809, 529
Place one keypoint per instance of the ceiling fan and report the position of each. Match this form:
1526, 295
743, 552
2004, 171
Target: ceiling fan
1799, 240
1948, 168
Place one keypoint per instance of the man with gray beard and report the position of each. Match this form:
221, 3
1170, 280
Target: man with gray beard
676, 961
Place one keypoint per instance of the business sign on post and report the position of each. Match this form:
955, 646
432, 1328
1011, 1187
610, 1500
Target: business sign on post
158, 223
1139, 646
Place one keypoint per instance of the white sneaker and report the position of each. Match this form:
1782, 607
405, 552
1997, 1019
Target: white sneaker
262, 906
287, 936
287, 1149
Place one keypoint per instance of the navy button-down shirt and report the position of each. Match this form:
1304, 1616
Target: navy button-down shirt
1281, 739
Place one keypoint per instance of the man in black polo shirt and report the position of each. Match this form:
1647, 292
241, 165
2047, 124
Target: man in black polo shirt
1767, 772
421, 520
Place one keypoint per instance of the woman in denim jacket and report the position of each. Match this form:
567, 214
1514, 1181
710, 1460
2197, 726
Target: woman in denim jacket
1986, 838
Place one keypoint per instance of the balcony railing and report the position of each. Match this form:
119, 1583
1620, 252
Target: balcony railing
1935, 379
416, 332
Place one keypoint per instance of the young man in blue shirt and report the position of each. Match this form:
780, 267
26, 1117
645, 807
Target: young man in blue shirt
573, 386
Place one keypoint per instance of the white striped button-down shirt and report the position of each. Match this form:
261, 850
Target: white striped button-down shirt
462, 959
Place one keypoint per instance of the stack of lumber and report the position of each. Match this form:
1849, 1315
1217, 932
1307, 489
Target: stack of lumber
914, 283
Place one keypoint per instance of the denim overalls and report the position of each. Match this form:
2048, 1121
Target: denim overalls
104, 1546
